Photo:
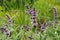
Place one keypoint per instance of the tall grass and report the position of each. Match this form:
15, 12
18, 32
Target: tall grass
16, 10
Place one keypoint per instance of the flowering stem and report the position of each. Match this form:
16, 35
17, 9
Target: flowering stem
55, 15
43, 27
9, 19
33, 13
8, 33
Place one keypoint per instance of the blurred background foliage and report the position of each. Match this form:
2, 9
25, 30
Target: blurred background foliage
15, 4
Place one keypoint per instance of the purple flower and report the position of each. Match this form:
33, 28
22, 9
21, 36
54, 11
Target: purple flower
55, 15
42, 30
51, 23
9, 19
43, 27
8, 33
33, 13
26, 27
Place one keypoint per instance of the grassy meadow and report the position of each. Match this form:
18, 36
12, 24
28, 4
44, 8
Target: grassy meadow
13, 18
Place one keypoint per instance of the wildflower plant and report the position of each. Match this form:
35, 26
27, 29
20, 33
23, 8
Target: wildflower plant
47, 20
